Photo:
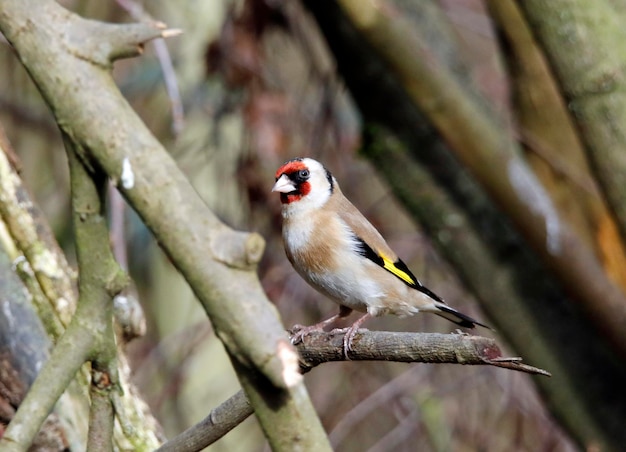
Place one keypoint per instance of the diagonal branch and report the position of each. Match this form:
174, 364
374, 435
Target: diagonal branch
90, 335
30, 232
101, 279
63, 54
321, 347
45, 269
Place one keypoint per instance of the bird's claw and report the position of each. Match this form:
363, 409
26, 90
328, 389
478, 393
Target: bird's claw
348, 337
296, 338
349, 333
298, 332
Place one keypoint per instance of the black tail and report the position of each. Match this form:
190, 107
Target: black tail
457, 317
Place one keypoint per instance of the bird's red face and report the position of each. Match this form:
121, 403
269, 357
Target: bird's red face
292, 181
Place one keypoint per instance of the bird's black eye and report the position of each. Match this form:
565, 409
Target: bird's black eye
303, 174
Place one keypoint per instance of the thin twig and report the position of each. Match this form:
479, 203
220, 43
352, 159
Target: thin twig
138, 13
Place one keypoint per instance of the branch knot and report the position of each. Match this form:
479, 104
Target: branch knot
240, 250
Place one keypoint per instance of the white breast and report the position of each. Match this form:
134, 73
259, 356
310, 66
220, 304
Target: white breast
297, 235
344, 280
348, 287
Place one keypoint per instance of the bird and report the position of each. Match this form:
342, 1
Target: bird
337, 251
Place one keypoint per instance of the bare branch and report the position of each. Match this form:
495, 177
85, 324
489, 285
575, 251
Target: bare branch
220, 421
318, 348
322, 347
69, 353
90, 334
74, 406
100, 422
68, 70
137, 11
32, 235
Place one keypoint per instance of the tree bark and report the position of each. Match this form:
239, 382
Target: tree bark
29, 233
24, 345
495, 262
584, 41
321, 347
552, 142
69, 62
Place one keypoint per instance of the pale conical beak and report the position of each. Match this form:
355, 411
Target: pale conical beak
284, 185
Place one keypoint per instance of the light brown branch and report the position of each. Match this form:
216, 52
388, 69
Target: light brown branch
220, 421
100, 436
318, 348
322, 347
68, 71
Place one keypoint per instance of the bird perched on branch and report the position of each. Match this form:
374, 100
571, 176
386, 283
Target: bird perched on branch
338, 252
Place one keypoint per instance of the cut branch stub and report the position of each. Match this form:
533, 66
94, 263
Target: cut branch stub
104, 43
241, 250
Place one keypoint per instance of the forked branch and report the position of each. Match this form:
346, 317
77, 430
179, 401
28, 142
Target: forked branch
321, 347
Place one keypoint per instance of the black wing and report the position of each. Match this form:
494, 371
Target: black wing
397, 268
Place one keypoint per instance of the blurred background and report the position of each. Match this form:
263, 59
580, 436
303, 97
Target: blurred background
252, 83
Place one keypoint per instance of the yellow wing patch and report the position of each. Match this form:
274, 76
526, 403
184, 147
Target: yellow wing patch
391, 267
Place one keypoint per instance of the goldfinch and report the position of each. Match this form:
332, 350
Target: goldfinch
338, 252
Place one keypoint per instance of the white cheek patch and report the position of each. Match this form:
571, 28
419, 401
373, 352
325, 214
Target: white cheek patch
319, 193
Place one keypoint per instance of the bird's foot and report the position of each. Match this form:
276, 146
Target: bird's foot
348, 337
298, 332
350, 332
347, 340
